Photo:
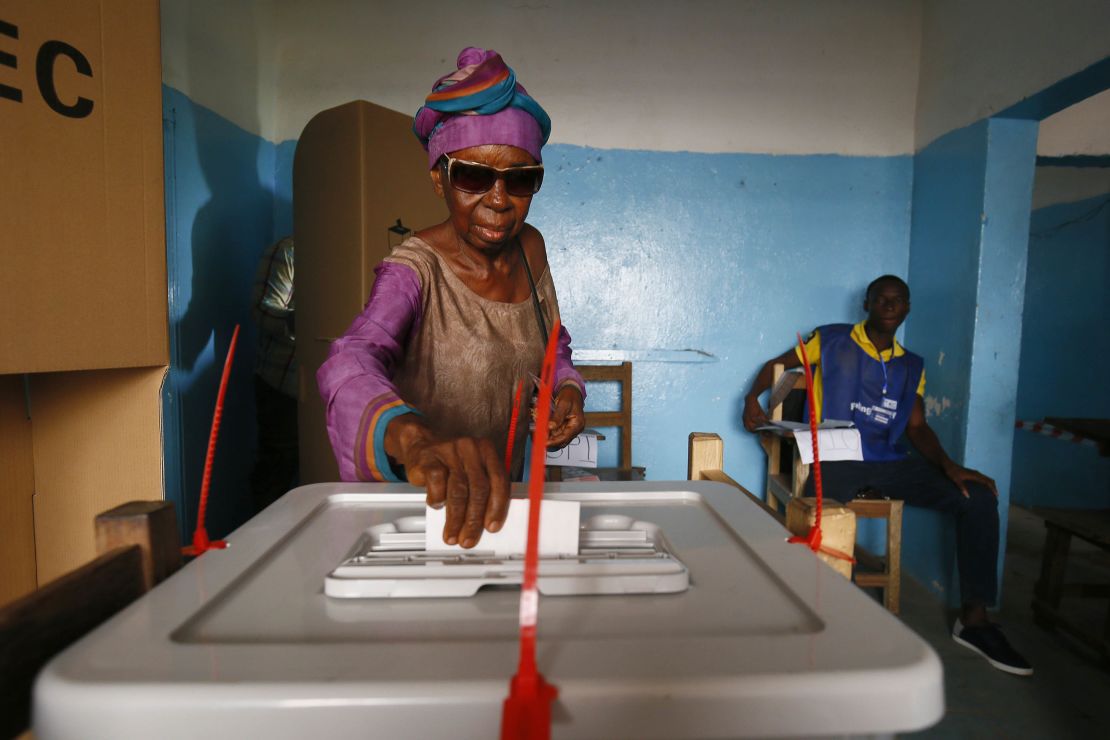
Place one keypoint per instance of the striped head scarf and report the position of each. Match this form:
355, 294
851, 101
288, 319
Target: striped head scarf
481, 103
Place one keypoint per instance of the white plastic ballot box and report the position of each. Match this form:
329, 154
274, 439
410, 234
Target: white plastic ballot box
760, 639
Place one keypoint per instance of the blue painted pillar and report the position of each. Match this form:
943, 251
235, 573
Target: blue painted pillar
968, 245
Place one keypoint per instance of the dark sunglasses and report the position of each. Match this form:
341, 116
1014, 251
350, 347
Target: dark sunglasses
472, 177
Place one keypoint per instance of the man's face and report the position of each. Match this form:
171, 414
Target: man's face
887, 306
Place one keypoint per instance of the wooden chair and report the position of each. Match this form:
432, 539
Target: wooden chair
787, 481
782, 484
621, 419
139, 546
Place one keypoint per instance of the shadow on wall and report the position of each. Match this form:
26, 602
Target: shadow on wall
220, 218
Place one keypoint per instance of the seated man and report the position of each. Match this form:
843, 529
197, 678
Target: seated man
864, 375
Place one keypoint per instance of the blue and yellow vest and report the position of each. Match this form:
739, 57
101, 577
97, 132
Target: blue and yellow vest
853, 384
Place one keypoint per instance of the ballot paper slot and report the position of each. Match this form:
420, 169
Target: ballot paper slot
616, 555
394, 541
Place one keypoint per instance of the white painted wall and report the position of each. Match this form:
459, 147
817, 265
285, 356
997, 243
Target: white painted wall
1083, 129
221, 54
1068, 184
980, 57
790, 76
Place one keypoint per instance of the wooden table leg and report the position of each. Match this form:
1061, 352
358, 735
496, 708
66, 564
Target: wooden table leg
893, 592
1050, 586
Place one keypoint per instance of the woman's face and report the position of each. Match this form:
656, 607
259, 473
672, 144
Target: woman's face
485, 220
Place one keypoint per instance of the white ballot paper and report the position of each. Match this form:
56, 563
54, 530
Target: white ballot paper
835, 444
558, 530
581, 452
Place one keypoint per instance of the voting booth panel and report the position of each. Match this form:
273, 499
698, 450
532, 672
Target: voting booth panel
83, 306
83, 247
71, 445
17, 514
358, 171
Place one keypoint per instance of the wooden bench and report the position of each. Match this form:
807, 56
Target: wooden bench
139, 546
1060, 526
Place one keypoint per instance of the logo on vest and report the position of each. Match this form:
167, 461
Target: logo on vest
883, 414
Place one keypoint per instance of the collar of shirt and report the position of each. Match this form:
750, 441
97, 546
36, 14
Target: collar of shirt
859, 336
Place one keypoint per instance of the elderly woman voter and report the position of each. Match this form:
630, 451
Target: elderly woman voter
421, 386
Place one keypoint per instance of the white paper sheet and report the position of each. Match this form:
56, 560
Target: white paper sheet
835, 444
559, 522
580, 453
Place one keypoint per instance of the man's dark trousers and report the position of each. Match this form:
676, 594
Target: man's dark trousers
919, 483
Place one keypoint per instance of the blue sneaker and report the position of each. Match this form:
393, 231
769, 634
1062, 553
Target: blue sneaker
988, 641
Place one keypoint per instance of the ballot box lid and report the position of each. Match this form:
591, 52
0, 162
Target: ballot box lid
766, 641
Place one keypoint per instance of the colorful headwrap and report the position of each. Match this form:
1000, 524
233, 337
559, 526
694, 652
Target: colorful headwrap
481, 103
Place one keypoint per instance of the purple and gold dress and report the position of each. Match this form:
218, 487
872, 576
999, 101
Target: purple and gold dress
426, 343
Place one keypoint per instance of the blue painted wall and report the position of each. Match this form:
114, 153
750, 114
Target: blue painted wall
726, 254
282, 175
972, 190
948, 200
1007, 197
223, 208
1064, 353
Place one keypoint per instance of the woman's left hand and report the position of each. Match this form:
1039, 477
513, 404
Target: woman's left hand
567, 418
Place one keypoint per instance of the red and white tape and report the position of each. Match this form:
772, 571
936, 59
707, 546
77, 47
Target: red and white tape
1039, 427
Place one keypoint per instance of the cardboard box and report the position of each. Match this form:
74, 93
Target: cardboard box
17, 488
357, 170
93, 440
82, 223
82, 276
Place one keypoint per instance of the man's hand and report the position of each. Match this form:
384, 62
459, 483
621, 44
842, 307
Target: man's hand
463, 473
567, 418
754, 415
925, 440
958, 474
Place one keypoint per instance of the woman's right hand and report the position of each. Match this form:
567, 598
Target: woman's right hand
464, 474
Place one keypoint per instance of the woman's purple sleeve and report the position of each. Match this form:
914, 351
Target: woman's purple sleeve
565, 374
356, 381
